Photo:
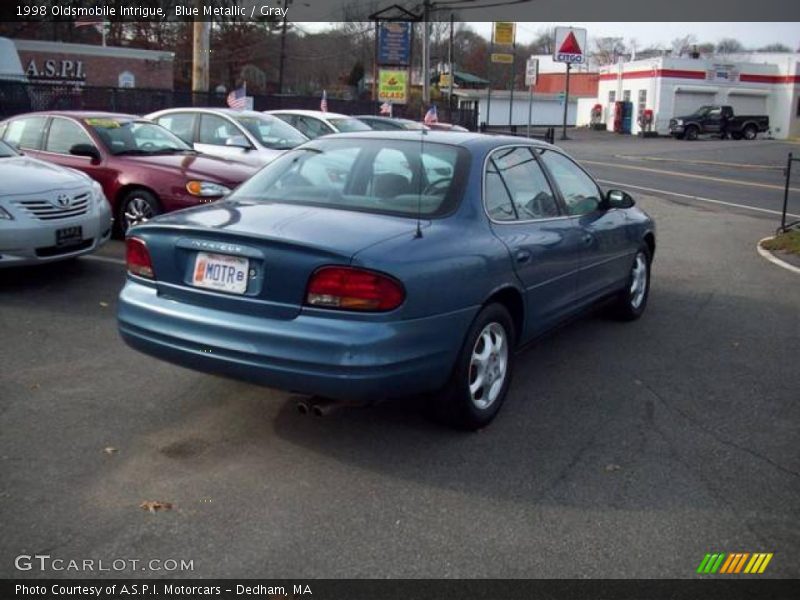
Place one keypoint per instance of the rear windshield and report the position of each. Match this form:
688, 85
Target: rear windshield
349, 125
396, 177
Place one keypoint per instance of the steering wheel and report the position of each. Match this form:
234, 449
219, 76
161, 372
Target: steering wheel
433, 185
148, 147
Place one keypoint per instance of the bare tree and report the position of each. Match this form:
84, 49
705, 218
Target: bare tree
683, 45
729, 46
778, 47
607, 49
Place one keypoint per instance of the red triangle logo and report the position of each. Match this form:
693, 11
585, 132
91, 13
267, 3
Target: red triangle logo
570, 45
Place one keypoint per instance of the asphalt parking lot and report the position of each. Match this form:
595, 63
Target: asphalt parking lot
624, 450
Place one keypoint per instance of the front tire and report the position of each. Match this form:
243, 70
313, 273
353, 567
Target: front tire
632, 300
692, 133
137, 206
482, 374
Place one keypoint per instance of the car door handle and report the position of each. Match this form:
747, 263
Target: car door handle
523, 256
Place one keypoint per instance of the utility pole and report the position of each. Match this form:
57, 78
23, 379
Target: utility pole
426, 53
452, 74
513, 81
200, 54
283, 47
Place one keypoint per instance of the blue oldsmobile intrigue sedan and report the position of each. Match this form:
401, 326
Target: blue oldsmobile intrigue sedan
366, 265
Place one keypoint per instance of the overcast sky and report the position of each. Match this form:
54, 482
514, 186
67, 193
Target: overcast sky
752, 35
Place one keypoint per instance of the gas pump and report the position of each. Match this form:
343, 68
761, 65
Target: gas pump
646, 119
596, 118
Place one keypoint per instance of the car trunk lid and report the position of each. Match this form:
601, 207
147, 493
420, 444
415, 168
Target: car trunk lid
277, 245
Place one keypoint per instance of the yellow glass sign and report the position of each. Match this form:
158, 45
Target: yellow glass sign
504, 33
393, 86
505, 59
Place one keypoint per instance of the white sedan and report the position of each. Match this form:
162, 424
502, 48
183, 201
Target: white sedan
314, 123
48, 212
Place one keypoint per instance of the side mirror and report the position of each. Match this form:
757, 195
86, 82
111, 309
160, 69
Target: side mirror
618, 199
85, 150
238, 141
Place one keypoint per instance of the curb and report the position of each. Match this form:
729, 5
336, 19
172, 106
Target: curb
774, 259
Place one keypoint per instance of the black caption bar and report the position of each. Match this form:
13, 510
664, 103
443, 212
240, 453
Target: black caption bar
351, 10
406, 589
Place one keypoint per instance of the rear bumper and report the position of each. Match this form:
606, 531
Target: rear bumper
311, 353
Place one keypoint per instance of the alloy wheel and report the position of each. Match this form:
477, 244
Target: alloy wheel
488, 365
638, 280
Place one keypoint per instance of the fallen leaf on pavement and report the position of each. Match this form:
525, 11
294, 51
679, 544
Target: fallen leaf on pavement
612, 467
110, 450
154, 505
104, 304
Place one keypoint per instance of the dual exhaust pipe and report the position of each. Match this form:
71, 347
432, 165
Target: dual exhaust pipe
322, 407
319, 407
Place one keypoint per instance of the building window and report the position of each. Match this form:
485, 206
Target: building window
642, 101
626, 96
127, 80
612, 96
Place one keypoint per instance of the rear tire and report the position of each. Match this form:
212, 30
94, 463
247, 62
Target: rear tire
749, 133
632, 300
691, 133
137, 206
482, 373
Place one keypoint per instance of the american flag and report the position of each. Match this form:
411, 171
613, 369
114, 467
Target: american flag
431, 116
386, 108
238, 98
323, 105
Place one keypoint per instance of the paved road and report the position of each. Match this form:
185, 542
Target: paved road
625, 450
736, 172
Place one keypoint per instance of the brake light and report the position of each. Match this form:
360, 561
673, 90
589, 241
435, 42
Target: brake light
349, 288
137, 258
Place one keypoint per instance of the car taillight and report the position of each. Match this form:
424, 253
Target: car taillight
137, 257
349, 288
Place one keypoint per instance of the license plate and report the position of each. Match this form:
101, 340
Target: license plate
221, 272
69, 236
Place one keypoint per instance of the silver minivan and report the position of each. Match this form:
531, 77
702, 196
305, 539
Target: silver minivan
244, 135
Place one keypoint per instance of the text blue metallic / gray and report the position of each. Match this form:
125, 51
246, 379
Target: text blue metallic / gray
362, 266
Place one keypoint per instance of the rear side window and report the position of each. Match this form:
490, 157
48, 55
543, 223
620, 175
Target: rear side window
515, 178
216, 130
64, 134
181, 124
26, 133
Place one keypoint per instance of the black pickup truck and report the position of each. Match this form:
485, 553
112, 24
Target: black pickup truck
718, 120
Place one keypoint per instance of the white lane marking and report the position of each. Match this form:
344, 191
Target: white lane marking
702, 162
106, 259
700, 198
774, 259
769, 186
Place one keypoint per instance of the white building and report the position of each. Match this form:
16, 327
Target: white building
546, 110
752, 83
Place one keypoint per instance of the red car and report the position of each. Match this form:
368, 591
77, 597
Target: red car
143, 167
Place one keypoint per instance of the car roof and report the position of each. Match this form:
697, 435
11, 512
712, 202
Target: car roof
453, 138
211, 109
309, 113
81, 114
